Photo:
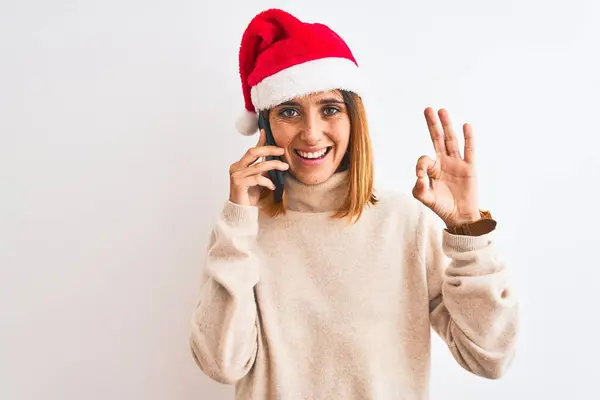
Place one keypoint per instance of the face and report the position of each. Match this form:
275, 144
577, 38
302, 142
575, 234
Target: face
314, 130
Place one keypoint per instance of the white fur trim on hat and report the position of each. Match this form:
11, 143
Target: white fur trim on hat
247, 123
309, 77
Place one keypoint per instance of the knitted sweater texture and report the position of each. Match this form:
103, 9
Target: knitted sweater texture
303, 306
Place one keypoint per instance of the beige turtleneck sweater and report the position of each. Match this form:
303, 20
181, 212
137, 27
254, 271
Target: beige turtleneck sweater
306, 307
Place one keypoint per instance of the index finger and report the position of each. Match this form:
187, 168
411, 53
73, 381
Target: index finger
254, 154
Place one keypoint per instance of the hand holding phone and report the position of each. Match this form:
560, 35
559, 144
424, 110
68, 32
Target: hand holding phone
247, 177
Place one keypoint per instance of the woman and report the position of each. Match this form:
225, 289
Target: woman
332, 293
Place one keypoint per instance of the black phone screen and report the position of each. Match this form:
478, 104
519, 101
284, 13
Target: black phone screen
275, 175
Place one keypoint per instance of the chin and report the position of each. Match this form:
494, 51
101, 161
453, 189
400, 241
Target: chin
313, 177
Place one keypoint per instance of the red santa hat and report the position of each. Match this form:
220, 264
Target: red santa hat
282, 58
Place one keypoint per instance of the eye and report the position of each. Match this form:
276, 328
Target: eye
330, 110
288, 112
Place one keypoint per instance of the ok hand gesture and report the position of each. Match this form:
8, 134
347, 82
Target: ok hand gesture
448, 184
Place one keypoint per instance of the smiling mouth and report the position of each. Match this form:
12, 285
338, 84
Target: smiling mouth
316, 155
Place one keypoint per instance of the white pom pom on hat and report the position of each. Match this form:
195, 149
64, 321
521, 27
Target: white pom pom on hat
281, 58
247, 123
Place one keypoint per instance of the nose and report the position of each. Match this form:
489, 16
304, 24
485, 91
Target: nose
312, 129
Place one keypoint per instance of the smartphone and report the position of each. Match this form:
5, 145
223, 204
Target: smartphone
275, 175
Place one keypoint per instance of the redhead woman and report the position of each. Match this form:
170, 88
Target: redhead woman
332, 290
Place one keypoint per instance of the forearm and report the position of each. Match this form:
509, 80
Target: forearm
224, 330
476, 312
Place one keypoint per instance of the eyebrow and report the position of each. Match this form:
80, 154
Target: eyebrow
324, 101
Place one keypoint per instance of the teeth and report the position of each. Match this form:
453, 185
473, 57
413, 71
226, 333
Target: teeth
317, 154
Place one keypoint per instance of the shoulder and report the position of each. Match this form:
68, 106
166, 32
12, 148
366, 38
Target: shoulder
395, 202
402, 206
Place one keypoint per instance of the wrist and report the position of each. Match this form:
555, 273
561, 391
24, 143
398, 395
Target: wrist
474, 226
461, 221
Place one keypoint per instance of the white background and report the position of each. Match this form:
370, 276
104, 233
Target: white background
116, 124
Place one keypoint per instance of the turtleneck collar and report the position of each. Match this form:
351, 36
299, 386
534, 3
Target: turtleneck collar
323, 197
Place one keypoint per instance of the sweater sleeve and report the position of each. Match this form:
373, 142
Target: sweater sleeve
472, 305
224, 329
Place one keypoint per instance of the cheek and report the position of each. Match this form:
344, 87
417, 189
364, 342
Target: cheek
283, 134
340, 132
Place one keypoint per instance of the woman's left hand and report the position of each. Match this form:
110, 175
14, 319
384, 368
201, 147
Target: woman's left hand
448, 184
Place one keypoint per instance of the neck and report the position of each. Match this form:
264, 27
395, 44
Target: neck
322, 197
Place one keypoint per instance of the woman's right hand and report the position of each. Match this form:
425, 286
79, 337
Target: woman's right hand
246, 176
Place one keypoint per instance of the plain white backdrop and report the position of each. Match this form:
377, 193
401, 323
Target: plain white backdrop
117, 131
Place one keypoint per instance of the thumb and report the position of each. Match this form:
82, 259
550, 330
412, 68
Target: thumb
422, 192
425, 166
